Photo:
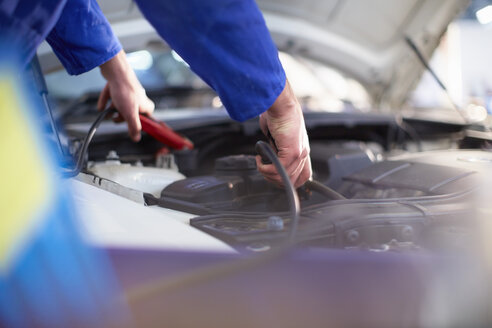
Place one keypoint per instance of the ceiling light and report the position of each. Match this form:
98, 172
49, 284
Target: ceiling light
484, 15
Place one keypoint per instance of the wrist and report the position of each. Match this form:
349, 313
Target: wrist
286, 102
116, 69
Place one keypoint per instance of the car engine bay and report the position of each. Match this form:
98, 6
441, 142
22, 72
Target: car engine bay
395, 200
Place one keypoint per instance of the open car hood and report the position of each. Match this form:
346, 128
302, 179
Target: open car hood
363, 39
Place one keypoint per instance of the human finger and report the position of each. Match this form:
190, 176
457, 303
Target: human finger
103, 98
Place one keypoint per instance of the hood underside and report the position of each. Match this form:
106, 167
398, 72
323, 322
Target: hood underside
363, 39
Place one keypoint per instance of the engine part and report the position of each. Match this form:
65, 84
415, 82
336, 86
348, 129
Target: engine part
433, 217
235, 186
145, 179
373, 225
331, 162
392, 179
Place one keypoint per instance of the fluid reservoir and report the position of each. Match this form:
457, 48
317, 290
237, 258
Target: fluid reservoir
146, 179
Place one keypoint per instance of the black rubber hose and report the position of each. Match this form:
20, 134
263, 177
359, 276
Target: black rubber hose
266, 152
324, 190
85, 145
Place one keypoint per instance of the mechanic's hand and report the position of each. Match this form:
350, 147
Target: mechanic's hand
285, 122
126, 93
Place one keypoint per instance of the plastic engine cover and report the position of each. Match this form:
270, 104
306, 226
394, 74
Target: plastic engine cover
235, 186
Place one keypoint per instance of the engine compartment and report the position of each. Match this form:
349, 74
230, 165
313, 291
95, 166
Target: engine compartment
396, 201
390, 205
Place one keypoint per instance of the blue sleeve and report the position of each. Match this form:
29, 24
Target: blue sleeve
227, 43
82, 38
24, 24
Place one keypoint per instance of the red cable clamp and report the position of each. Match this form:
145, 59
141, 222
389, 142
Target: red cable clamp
163, 133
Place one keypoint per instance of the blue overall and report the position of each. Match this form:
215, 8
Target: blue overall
225, 42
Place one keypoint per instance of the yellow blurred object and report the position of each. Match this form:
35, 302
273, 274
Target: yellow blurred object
26, 187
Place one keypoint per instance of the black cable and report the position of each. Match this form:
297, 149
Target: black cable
310, 184
266, 152
324, 190
85, 145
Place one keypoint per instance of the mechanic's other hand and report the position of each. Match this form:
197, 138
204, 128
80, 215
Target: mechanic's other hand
126, 93
285, 122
